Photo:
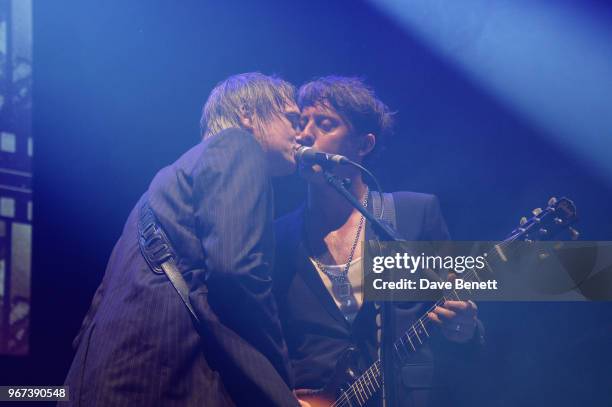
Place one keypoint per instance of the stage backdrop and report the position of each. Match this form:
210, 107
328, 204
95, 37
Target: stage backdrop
15, 175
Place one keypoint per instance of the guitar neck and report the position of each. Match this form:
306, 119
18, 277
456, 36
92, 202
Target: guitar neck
558, 216
415, 336
362, 389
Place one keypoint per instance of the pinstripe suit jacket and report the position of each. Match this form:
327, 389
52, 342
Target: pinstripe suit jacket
138, 344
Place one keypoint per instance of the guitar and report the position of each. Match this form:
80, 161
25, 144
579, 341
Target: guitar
348, 388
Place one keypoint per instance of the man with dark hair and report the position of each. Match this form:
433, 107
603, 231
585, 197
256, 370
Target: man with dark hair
318, 275
356, 104
185, 314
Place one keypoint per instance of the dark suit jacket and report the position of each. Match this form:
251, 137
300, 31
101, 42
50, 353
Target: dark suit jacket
138, 344
317, 333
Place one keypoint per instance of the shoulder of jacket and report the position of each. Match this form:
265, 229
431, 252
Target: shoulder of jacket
409, 197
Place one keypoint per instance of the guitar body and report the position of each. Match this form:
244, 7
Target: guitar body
316, 398
346, 373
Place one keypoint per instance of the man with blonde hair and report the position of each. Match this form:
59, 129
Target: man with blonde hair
185, 314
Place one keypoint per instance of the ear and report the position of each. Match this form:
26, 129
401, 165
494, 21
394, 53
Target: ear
368, 142
246, 118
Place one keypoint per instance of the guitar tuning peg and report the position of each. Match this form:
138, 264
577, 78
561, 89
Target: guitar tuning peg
523, 221
536, 211
575, 234
552, 201
543, 231
558, 221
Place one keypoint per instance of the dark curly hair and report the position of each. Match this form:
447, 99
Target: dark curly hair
355, 102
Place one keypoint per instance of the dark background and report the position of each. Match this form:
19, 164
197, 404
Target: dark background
118, 88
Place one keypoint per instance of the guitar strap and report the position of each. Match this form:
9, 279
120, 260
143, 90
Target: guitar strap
159, 254
161, 258
383, 207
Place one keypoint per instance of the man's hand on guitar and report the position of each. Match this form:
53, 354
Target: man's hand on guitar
457, 319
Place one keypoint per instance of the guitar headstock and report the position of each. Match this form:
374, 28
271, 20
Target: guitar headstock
546, 224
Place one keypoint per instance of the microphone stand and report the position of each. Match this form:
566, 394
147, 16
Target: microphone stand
382, 230
386, 233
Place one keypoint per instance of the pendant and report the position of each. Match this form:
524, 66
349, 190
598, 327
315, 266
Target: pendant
343, 291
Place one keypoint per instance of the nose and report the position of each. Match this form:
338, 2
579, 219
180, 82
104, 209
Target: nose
305, 136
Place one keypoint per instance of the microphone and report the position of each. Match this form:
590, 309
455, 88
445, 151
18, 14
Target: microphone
309, 156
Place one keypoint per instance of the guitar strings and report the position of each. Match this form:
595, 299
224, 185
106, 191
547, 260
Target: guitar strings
357, 389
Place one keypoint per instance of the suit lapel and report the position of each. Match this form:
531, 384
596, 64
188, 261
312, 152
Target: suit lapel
310, 275
367, 310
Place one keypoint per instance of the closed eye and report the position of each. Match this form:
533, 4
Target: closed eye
327, 124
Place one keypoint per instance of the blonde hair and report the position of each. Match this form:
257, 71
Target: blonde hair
254, 92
